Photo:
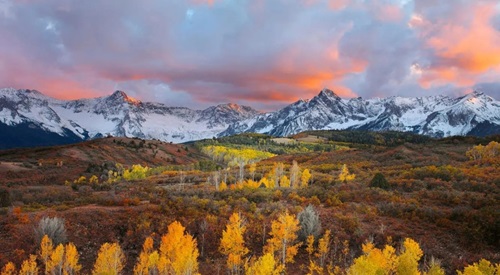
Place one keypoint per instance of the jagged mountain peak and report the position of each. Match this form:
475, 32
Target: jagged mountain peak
327, 93
234, 107
121, 115
121, 96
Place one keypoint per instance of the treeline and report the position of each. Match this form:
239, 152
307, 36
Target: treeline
389, 138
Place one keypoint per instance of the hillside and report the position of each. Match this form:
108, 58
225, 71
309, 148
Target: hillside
53, 165
433, 193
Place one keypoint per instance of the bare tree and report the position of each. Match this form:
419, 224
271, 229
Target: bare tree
294, 175
309, 223
53, 228
216, 178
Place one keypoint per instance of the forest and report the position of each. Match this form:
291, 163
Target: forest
322, 202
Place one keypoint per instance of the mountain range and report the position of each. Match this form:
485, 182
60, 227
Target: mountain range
30, 118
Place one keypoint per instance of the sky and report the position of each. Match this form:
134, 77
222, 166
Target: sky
265, 54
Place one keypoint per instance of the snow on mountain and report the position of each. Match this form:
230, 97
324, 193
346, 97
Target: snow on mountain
121, 115
117, 115
436, 116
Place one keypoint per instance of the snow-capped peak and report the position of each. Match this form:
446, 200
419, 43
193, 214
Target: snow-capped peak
121, 115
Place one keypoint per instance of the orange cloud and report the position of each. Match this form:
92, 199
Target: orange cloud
338, 4
465, 46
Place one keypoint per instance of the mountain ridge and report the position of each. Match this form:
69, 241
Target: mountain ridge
121, 115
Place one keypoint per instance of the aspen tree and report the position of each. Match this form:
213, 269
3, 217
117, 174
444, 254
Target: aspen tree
8, 269
71, 258
233, 244
29, 266
46, 248
283, 238
304, 178
110, 260
55, 263
178, 251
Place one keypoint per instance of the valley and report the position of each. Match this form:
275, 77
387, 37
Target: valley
437, 192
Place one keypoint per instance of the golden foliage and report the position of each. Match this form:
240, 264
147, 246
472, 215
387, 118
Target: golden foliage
265, 265
55, 262
483, 267
374, 261
29, 266
344, 175
178, 251
46, 248
284, 181
407, 262
233, 244
490, 151
283, 237
110, 260
305, 177
144, 263
71, 258
8, 269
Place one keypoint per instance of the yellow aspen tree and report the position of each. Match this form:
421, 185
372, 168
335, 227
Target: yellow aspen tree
265, 265
323, 248
110, 260
407, 262
344, 175
46, 248
304, 178
284, 181
55, 263
222, 186
374, 261
8, 269
178, 251
71, 258
233, 244
29, 266
483, 267
283, 238
142, 266
310, 245
153, 261
435, 268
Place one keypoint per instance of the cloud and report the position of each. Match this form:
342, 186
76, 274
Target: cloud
263, 53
